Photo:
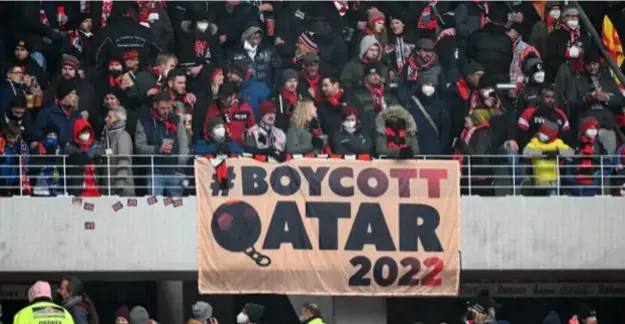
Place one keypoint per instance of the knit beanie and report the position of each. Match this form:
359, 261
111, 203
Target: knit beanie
123, 312
309, 40
310, 58
38, 290
374, 15
425, 78
71, 61
239, 68
569, 10
288, 74
589, 122
472, 67
65, 87
201, 311
266, 107
532, 65
139, 315
51, 128
350, 110
254, 312
550, 128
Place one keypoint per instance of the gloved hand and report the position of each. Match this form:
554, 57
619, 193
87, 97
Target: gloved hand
551, 154
406, 153
262, 139
278, 155
317, 142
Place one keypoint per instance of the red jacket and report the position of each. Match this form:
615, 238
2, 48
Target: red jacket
240, 117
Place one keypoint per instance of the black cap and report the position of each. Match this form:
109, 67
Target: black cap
161, 96
227, 89
18, 101
65, 87
373, 67
472, 67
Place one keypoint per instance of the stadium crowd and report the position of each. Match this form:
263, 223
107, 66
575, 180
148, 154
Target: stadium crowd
519, 85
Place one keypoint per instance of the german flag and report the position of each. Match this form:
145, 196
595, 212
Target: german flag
612, 43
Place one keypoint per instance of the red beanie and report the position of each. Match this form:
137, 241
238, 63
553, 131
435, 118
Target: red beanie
375, 15
350, 110
266, 107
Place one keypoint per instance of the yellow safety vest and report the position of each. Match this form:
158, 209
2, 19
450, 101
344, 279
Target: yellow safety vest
43, 313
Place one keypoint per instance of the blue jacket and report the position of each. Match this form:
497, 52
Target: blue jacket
10, 163
253, 93
203, 147
432, 141
52, 114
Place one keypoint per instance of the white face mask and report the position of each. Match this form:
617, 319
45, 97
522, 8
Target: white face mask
591, 132
539, 77
242, 318
350, 126
84, 137
555, 14
202, 26
219, 132
573, 24
428, 90
543, 137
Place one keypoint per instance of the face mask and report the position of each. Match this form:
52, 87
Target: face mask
573, 24
555, 14
115, 73
242, 318
219, 132
591, 132
350, 126
202, 26
428, 90
543, 137
50, 141
539, 77
84, 137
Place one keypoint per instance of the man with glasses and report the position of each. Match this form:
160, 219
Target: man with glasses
546, 110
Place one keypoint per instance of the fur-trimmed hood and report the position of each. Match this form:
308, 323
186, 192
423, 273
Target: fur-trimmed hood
399, 112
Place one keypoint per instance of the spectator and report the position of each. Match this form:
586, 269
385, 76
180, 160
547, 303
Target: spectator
30, 66
138, 80
161, 133
200, 35
261, 58
234, 15
286, 98
396, 134
62, 112
534, 71
118, 145
14, 161
595, 93
552, 318
431, 117
520, 50
139, 315
547, 110
80, 41
13, 86
122, 315
305, 135
330, 109
184, 102
251, 314
492, 48
20, 117
201, 312
308, 84
422, 60
84, 89
165, 62
199, 74
376, 27
446, 44
402, 42
250, 91
544, 149
110, 78
471, 150
588, 162
542, 29
79, 305
238, 115
84, 156
217, 79
265, 136
47, 164
462, 97
585, 315
352, 138
371, 97
40, 297
354, 71
218, 141
311, 314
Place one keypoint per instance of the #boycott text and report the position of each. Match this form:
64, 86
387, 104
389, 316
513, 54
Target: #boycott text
337, 227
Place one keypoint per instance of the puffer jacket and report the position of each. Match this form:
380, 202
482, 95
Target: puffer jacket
264, 66
381, 146
492, 48
119, 180
354, 71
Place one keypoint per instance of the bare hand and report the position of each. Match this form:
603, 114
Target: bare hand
191, 98
152, 92
514, 147
311, 91
518, 17
28, 80
362, 25
84, 114
278, 41
389, 49
165, 148
213, 320
126, 82
601, 96
222, 39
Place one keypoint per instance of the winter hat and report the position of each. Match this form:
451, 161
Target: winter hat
17, 102
130, 54
472, 67
549, 128
585, 311
552, 318
427, 78
38, 290
374, 15
51, 128
350, 110
367, 42
569, 10
448, 20
266, 107
254, 312
531, 65
588, 122
65, 87
239, 68
123, 312
425, 43
487, 81
71, 61
201, 311
139, 315
310, 58
227, 89
373, 67
23, 43
249, 32
212, 123
498, 16
309, 40
289, 74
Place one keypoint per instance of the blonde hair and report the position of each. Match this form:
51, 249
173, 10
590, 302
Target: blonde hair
302, 113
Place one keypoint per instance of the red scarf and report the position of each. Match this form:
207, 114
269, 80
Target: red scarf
115, 83
342, 7
377, 95
414, 67
465, 136
43, 17
586, 167
200, 47
107, 7
290, 97
169, 126
432, 22
551, 23
188, 107
484, 11
145, 9
335, 99
313, 83
463, 88
445, 33
396, 139
577, 64
317, 132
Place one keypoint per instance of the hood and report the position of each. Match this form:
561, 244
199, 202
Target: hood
367, 42
399, 112
79, 125
72, 301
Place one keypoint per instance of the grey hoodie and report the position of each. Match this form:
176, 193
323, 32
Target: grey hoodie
120, 164
400, 112
354, 71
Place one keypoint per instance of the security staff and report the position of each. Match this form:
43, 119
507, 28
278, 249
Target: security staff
41, 309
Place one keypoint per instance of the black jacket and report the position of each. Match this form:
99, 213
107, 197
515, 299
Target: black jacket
124, 33
492, 48
265, 66
361, 98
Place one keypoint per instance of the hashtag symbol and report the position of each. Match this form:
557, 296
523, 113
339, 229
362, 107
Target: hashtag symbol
216, 186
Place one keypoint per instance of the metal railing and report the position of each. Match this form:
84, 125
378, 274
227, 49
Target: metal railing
139, 175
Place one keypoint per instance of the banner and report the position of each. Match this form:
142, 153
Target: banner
329, 227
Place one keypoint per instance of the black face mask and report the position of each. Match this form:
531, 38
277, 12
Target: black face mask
115, 73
